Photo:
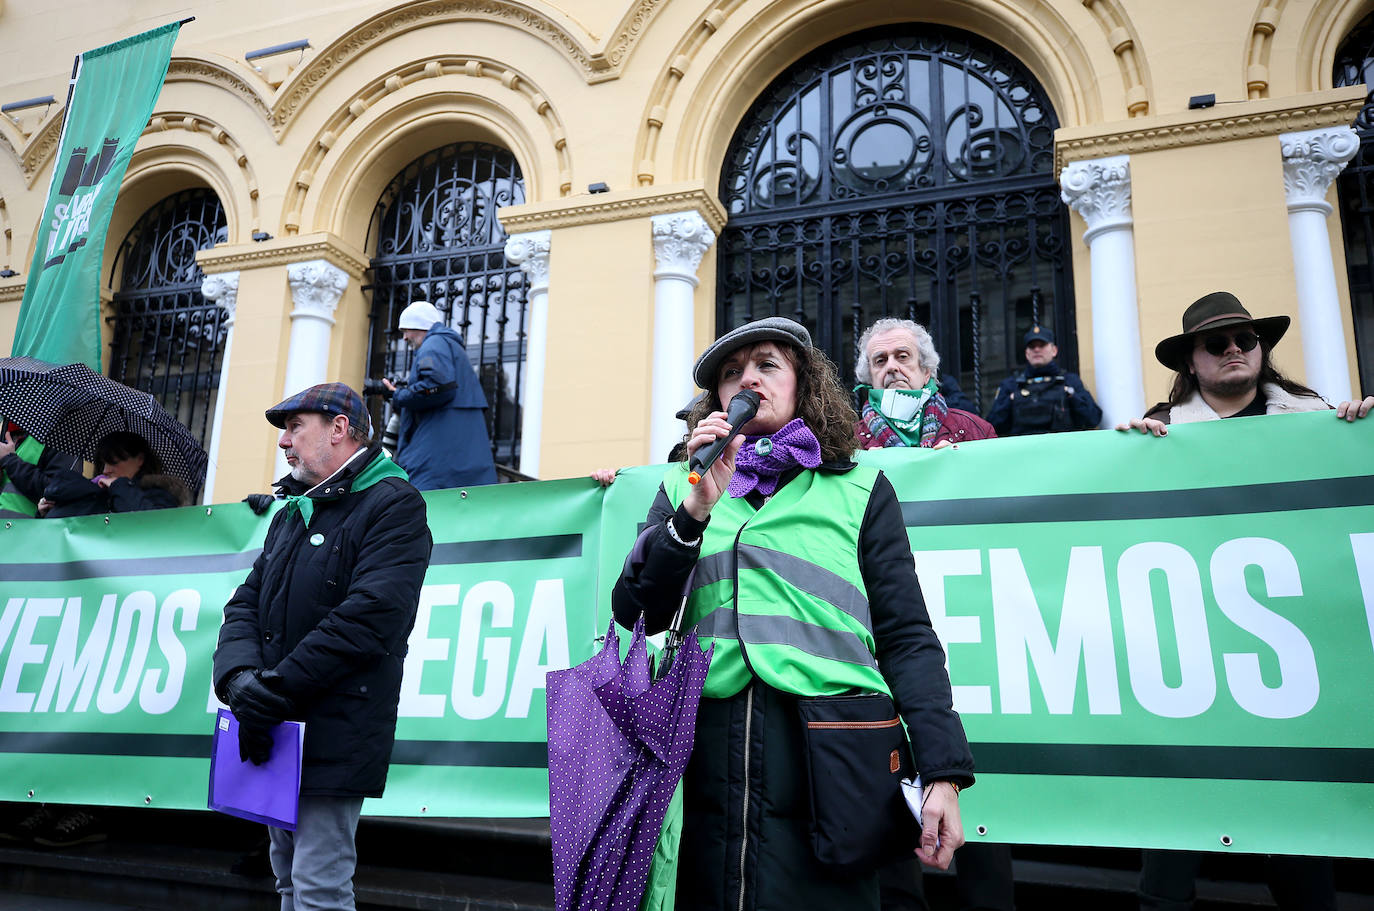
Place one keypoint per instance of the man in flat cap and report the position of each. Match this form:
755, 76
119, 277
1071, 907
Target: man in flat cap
318, 632
1223, 369
1044, 397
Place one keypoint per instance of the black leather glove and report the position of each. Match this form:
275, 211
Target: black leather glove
253, 700
255, 742
259, 502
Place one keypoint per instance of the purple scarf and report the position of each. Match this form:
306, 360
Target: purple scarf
763, 459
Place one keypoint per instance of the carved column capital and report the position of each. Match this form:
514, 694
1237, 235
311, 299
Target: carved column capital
316, 287
1311, 160
680, 240
223, 289
1100, 191
530, 251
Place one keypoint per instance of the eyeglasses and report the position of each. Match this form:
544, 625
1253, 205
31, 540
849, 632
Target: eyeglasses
1217, 345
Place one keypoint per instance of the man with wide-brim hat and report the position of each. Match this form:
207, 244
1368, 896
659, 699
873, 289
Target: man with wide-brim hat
1223, 369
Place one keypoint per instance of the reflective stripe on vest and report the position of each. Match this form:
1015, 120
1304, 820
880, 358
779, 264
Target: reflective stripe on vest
11, 500
805, 623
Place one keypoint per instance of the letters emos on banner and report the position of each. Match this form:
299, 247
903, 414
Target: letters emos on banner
113, 92
1152, 642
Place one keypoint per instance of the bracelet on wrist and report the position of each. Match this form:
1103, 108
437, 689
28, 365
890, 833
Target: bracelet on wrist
672, 533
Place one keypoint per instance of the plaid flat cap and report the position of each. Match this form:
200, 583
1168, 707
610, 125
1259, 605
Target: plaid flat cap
326, 398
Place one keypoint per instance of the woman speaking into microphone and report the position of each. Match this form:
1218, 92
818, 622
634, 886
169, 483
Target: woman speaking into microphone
795, 564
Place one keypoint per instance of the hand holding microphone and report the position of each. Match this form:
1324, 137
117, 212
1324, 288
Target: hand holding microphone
715, 437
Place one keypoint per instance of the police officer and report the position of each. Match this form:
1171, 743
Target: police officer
1043, 398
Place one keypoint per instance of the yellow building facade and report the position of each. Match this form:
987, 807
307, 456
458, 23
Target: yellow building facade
628, 119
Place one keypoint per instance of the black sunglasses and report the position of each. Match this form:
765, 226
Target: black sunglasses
1217, 345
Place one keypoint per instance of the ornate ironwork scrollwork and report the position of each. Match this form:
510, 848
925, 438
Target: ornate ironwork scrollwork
437, 238
901, 165
1354, 65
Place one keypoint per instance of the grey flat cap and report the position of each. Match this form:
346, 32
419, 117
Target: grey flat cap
770, 328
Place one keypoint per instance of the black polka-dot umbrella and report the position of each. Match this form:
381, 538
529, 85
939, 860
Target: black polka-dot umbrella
71, 408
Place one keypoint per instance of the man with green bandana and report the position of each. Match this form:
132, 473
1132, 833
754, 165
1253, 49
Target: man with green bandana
318, 632
899, 391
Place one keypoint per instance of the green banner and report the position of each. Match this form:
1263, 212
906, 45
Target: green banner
1153, 642
113, 92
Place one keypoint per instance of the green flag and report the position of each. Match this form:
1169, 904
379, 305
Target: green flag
113, 92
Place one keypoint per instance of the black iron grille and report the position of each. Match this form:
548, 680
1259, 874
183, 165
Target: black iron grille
906, 172
437, 239
167, 339
1355, 192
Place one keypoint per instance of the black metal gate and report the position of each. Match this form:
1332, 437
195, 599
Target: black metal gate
438, 239
1355, 192
167, 339
907, 171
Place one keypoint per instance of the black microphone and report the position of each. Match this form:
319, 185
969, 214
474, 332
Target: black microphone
742, 409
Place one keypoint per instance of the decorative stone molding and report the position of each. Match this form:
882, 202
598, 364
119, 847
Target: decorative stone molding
1311, 161
223, 289
530, 251
321, 246
316, 287
1100, 191
12, 293
604, 207
1124, 40
680, 239
1257, 54
213, 72
40, 147
164, 121
394, 80
632, 26
1244, 120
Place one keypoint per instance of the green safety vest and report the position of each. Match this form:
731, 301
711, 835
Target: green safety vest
11, 500
784, 580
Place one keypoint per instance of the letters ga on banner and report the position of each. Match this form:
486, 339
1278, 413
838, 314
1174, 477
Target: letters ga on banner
113, 92
1152, 642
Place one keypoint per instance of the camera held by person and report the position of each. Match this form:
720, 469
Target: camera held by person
379, 387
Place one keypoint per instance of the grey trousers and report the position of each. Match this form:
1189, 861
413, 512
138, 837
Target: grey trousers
314, 864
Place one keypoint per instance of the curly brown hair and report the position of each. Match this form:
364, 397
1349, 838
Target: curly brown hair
821, 402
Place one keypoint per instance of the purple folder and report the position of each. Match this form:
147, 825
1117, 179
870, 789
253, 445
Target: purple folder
269, 793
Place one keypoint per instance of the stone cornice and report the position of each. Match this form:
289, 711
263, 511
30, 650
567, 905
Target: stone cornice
1225, 122
12, 293
284, 251
598, 208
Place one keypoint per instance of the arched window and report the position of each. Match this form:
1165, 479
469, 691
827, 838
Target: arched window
168, 340
1355, 192
437, 239
909, 172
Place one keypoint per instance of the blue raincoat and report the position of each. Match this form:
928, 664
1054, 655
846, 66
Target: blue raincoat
443, 438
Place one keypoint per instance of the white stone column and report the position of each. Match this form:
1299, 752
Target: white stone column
223, 289
1100, 191
316, 287
530, 251
680, 239
1311, 160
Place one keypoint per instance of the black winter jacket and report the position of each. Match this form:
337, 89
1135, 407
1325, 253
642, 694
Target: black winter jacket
31, 480
331, 607
76, 495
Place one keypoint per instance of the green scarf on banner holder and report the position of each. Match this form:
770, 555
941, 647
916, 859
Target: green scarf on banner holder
381, 467
905, 410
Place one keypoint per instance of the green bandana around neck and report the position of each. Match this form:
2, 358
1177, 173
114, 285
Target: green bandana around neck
903, 408
380, 467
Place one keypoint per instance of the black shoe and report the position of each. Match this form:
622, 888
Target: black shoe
25, 827
75, 827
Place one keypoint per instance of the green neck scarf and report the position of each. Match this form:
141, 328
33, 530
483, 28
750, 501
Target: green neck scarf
380, 467
903, 408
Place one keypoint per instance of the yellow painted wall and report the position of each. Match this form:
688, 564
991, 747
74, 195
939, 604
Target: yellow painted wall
645, 96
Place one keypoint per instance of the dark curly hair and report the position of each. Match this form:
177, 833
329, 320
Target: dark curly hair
821, 403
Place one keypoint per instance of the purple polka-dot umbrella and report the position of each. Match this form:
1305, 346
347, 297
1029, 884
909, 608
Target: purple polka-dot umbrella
618, 745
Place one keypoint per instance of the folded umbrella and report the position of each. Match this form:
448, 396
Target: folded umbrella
618, 745
71, 408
